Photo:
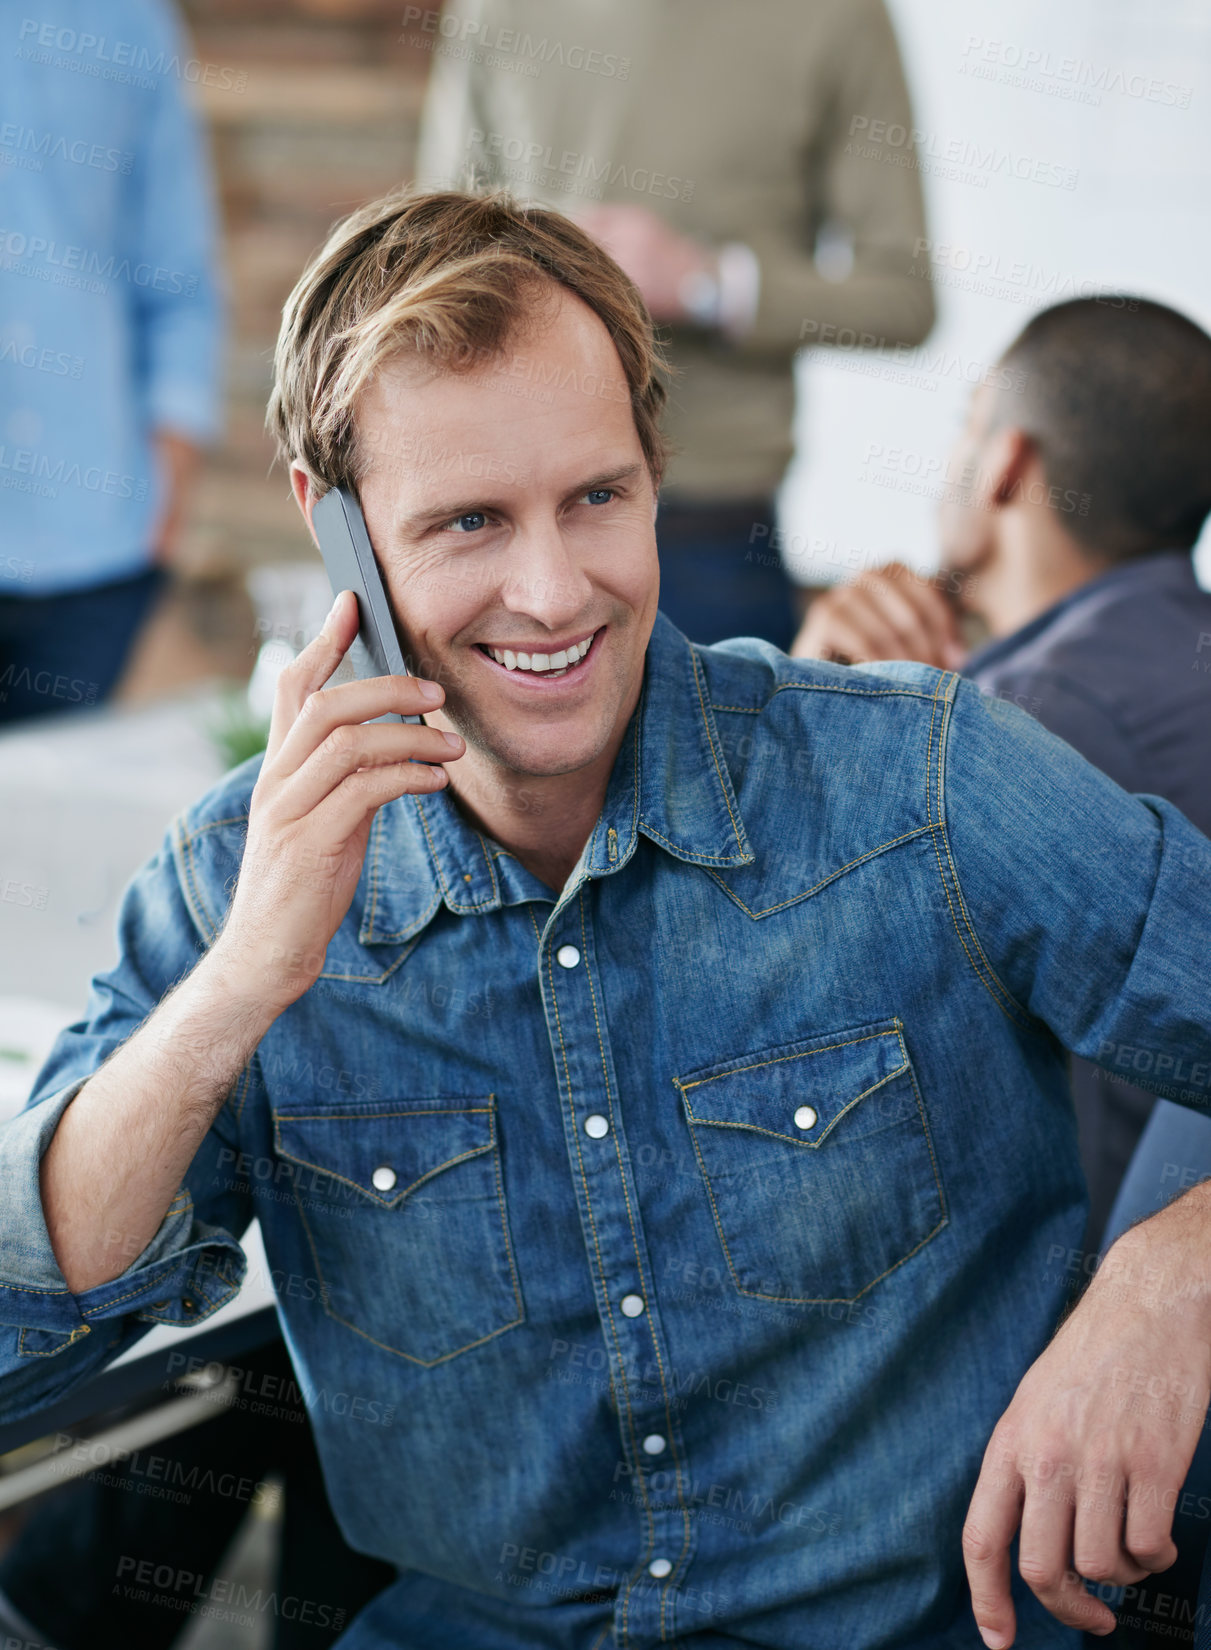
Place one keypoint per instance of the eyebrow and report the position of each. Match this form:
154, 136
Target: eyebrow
410, 525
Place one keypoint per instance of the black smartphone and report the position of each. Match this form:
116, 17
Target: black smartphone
345, 546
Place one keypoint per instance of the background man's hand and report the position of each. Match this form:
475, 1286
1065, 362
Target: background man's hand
891, 613
179, 459
657, 259
1090, 1457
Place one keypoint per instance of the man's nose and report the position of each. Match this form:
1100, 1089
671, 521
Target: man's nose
544, 578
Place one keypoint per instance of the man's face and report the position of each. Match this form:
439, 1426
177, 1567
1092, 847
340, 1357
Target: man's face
965, 529
510, 508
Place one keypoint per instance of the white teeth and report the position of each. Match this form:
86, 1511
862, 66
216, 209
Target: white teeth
551, 664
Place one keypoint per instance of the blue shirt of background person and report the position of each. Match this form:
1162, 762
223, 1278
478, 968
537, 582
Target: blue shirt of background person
110, 307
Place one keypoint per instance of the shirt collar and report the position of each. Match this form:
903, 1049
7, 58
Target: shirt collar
669, 783
1162, 570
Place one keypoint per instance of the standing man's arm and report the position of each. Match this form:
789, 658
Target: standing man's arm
869, 189
177, 293
452, 151
1086, 912
765, 292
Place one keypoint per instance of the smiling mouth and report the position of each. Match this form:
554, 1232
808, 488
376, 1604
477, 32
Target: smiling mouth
545, 666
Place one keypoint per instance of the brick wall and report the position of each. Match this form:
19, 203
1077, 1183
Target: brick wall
318, 113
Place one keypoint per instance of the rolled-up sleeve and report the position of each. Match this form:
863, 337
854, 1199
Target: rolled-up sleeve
1081, 907
50, 1338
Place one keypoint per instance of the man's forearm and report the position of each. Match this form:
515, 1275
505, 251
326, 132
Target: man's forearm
1090, 1457
123, 1145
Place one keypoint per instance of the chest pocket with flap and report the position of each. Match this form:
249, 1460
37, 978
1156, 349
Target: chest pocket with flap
403, 1206
818, 1163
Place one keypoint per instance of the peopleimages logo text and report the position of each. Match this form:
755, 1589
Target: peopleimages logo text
475, 31
60, 472
129, 54
25, 140
38, 249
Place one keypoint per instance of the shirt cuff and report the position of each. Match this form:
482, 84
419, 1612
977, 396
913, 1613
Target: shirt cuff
739, 289
185, 1273
185, 410
726, 297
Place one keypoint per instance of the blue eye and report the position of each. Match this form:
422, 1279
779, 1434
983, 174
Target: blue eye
470, 522
600, 495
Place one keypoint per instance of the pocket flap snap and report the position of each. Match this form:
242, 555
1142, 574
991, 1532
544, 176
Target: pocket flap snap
800, 1091
389, 1148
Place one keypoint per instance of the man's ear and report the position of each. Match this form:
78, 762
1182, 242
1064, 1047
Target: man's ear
1007, 457
304, 496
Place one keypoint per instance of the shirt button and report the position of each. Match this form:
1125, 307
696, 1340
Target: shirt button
805, 1117
659, 1567
596, 1126
383, 1178
567, 956
632, 1305
653, 1444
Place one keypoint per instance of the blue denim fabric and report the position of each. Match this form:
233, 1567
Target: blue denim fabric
815, 969
1121, 669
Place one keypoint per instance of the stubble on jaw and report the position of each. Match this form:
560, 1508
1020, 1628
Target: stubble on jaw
510, 759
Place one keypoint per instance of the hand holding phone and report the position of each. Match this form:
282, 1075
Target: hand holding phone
333, 759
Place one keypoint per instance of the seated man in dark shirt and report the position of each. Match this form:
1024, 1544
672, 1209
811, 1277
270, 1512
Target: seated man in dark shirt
1075, 495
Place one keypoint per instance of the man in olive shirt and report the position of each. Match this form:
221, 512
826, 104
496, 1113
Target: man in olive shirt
708, 149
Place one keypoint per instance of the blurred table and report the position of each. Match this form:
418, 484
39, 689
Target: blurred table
87, 797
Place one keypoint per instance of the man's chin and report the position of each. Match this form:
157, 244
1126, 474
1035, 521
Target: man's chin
537, 755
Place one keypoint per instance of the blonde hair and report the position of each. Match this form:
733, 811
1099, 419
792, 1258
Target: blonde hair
453, 277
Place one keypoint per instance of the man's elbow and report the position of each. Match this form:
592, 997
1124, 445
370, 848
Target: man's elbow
916, 309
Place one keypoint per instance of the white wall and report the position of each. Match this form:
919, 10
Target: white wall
1139, 218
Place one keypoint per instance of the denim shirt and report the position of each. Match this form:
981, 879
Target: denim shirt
1121, 669
674, 1245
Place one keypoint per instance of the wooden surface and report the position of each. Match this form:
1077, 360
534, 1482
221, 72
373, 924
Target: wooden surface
312, 108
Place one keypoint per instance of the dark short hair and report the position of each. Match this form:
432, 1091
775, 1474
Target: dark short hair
1114, 392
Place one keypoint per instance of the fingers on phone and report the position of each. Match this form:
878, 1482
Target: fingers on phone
363, 758
362, 793
311, 668
318, 713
